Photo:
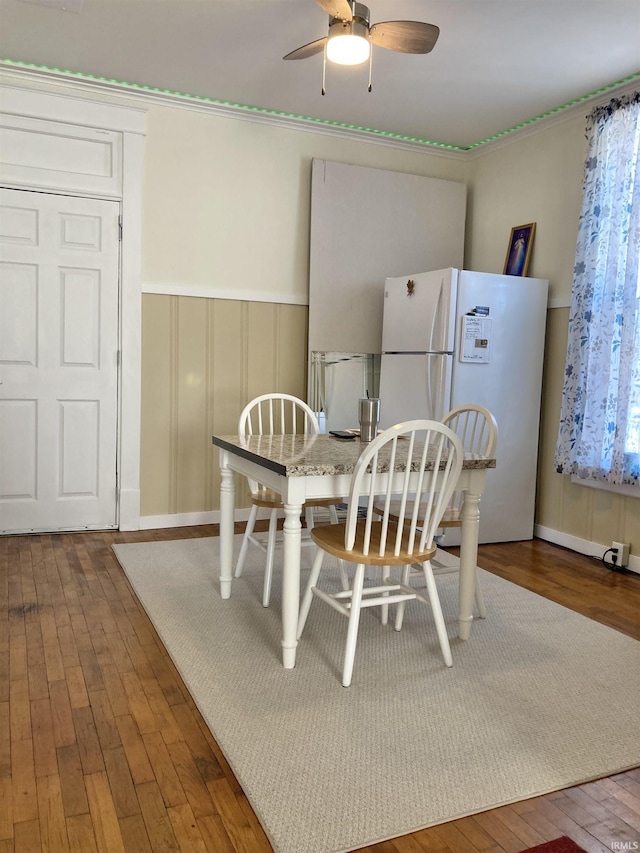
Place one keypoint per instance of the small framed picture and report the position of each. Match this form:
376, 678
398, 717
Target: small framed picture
519, 251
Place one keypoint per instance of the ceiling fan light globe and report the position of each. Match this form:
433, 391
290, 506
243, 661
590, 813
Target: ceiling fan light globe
348, 49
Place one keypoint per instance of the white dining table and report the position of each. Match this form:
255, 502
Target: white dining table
320, 466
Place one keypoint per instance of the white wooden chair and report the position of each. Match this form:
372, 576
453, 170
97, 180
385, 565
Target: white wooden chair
277, 414
477, 429
383, 542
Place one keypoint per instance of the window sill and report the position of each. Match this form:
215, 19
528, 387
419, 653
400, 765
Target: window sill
624, 491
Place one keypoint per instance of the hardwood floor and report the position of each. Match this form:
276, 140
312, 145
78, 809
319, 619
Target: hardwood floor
103, 749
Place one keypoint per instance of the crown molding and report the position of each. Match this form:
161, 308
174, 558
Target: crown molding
556, 117
13, 74
32, 76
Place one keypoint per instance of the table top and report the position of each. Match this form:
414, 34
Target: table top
316, 455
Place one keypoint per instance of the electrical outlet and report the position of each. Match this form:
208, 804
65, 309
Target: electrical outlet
623, 553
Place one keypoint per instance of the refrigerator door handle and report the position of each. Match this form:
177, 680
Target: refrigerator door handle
436, 387
434, 320
429, 388
439, 410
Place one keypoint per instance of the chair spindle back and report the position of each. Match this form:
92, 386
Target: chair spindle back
427, 447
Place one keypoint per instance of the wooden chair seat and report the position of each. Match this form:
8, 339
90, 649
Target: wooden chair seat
451, 518
273, 500
267, 498
331, 538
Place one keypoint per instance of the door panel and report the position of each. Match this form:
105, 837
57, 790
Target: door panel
80, 328
18, 418
58, 361
79, 460
19, 289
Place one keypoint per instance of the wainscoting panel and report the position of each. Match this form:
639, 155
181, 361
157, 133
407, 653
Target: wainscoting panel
202, 360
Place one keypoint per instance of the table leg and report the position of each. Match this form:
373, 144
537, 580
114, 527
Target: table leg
291, 583
468, 561
227, 505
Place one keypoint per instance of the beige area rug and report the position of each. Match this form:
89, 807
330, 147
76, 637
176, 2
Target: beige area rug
539, 699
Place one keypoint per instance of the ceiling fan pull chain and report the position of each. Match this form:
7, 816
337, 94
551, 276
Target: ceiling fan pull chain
324, 68
370, 67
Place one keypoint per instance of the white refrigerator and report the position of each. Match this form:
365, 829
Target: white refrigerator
451, 337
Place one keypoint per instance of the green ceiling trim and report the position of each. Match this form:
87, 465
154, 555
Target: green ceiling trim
384, 134
556, 110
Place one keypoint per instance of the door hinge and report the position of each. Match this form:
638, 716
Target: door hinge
118, 357
120, 228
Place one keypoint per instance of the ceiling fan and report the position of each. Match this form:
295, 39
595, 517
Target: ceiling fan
350, 36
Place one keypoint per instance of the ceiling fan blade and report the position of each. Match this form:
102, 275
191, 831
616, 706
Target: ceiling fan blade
307, 50
405, 36
337, 9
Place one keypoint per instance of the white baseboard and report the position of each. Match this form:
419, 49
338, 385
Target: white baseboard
582, 546
129, 509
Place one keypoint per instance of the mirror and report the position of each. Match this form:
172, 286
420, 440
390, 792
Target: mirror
337, 380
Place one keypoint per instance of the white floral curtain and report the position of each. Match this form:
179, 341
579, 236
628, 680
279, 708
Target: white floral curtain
599, 435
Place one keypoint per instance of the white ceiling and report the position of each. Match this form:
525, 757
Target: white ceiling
497, 63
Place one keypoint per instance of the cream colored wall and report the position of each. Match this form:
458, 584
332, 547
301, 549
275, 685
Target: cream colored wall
227, 202
534, 178
538, 178
226, 211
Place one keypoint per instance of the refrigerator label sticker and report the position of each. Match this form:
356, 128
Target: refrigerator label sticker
475, 342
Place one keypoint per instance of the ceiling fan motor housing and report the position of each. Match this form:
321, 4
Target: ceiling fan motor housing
359, 26
348, 28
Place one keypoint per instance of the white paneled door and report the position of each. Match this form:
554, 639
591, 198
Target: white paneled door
59, 260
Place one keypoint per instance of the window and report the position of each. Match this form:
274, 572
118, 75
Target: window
599, 434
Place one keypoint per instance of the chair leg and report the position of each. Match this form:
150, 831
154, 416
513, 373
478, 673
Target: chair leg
271, 547
354, 621
344, 578
245, 541
404, 579
308, 594
385, 572
482, 610
437, 613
